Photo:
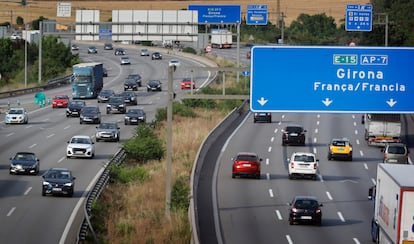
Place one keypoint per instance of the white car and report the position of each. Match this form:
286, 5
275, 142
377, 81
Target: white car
303, 164
16, 116
174, 62
80, 146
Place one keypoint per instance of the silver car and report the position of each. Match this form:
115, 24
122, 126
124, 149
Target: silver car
108, 131
16, 116
395, 153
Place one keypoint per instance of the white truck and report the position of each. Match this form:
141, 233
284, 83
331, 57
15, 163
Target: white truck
393, 221
221, 38
381, 129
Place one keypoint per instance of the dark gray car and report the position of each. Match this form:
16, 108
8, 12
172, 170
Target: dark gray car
90, 114
116, 104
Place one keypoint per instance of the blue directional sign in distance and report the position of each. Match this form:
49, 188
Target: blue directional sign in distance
332, 79
358, 17
256, 15
216, 14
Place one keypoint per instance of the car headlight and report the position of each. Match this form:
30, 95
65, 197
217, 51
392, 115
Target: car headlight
126, 117
121, 105
45, 183
69, 184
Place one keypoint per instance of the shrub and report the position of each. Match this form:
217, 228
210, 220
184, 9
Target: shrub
144, 146
189, 50
179, 193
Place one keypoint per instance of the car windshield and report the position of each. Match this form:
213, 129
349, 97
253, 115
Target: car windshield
16, 111
61, 97
24, 156
58, 174
304, 158
77, 103
135, 111
306, 203
89, 110
107, 126
80, 140
116, 100
106, 92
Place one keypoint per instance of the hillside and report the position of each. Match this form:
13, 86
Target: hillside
10, 9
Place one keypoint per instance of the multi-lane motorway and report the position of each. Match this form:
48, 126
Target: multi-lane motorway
256, 211
25, 215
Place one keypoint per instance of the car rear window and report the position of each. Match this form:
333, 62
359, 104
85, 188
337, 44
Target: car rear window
247, 157
306, 203
294, 129
304, 158
396, 150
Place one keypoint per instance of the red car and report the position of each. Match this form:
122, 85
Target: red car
186, 83
60, 101
246, 164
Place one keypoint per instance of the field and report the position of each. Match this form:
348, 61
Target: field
10, 9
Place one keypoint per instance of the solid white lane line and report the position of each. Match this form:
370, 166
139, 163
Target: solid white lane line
341, 217
271, 193
11, 211
279, 216
27, 191
329, 195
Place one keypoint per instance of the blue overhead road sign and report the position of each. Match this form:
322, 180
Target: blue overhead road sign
358, 17
217, 14
332, 79
256, 15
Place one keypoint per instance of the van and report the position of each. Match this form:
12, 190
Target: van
395, 153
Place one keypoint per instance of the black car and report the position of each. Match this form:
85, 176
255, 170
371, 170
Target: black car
293, 134
305, 209
136, 77
262, 116
156, 55
108, 46
116, 104
74, 108
24, 163
59, 181
129, 97
119, 51
135, 116
90, 114
154, 85
104, 95
92, 49
130, 85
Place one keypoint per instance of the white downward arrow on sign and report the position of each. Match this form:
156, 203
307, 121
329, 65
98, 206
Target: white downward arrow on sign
327, 102
391, 102
262, 101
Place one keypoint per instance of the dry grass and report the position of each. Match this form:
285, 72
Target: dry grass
137, 214
290, 8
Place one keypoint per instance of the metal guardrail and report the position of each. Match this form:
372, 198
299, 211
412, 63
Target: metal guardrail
117, 159
49, 85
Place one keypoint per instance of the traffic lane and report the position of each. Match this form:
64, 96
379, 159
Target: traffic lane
335, 214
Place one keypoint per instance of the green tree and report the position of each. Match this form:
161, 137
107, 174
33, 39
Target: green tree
6, 64
19, 20
312, 29
36, 23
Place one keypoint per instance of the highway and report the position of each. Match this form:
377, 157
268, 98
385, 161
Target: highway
26, 216
256, 211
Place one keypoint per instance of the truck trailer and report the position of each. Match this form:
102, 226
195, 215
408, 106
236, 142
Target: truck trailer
221, 38
393, 220
381, 129
87, 80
